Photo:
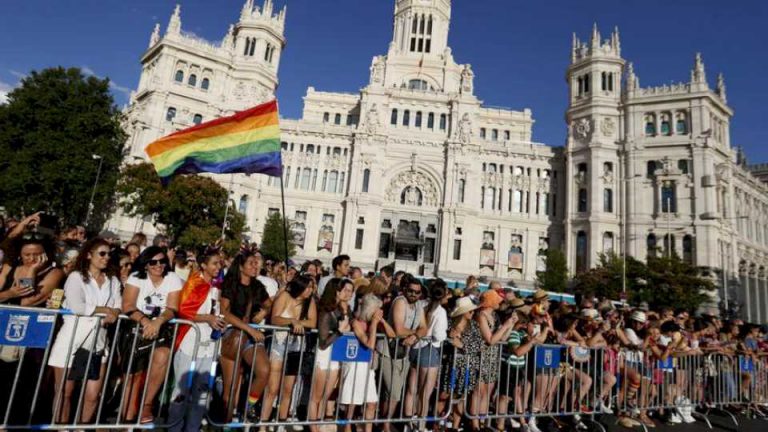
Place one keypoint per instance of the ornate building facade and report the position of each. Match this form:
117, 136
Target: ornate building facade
414, 169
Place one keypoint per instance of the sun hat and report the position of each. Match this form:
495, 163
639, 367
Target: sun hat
463, 305
490, 299
540, 295
590, 313
517, 303
639, 316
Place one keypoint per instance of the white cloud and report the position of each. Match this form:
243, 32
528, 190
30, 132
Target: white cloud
5, 88
17, 74
112, 85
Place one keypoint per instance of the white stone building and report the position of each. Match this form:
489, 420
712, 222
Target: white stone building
414, 169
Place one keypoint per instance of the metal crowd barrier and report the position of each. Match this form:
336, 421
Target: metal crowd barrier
325, 384
28, 339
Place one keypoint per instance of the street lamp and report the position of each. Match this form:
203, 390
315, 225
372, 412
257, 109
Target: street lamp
95, 183
624, 230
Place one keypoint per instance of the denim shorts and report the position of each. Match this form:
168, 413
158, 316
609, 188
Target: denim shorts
427, 356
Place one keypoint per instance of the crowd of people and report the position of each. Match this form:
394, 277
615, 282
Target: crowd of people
266, 331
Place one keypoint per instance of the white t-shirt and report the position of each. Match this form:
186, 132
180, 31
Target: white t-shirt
270, 284
438, 328
151, 301
633, 356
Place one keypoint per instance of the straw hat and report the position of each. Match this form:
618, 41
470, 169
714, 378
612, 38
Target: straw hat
639, 316
517, 303
590, 313
540, 295
490, 299
463, 305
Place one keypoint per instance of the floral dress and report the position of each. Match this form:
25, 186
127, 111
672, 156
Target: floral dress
462, 375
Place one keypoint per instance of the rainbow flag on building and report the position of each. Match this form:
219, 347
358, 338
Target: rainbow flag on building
247, 142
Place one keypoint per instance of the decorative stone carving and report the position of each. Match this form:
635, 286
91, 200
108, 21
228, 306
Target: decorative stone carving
413, 180
377, 70
607, 127
464, 131
372, 120
582, 128
239, 91
467, 78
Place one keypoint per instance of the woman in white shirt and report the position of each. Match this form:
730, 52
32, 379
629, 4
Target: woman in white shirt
89, 290
151, 299
425, 354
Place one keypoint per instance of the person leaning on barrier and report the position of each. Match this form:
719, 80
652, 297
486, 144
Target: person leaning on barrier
295, 309
92, 288
334, 319
244, 301
151, 300
197, 303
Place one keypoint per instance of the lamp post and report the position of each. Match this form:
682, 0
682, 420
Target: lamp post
624, 231
93, 192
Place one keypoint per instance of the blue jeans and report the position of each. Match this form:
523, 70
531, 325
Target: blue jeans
188, 404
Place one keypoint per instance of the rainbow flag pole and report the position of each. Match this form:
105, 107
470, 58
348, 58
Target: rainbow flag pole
247, 142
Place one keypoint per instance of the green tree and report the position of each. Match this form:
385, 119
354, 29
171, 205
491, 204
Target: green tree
555, 278
191, 208
273, 239
50, 129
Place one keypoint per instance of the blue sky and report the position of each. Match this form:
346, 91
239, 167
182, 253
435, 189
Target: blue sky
518, 49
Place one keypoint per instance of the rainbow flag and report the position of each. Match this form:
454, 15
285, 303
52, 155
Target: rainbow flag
247, 142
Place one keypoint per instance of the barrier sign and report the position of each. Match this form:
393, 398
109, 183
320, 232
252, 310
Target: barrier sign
548, 357
25, 329
349, 349
746, 364
667, 364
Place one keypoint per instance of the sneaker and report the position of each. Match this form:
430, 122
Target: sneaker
578, 424
602, 407
532, 425
253, 413
514, 423
674, 418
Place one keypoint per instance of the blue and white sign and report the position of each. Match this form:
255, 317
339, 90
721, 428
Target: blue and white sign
349, 349
667, 364
548, 357
25, 329
746, 364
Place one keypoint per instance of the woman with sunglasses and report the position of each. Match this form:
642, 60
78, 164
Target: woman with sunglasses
91, 289
151, 300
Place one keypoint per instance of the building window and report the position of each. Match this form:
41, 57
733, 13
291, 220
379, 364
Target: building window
650, 125
462, 186
431, 121
544, 203
429, 250
179, 76
406, 117
393, 119
651, 168
581, 251
608, 200
683, 165
668, 198
205, 84
608, 168
197, 119
482, 133
243, 206
192, 80
314, 179
495, 135
669, 244
411, 196
517, 201
284, 145
443, 121
582, 205
310, 148
170, 114
366, 179
688, 249
506, 135
417, 84
587, 77
418, 119
359, 239
608, 242
457, 249
326, 117
666, 128
333, 179
681, 126
337, 119
651, 245
489, 198
306, 174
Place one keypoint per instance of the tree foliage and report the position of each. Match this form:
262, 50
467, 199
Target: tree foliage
661, 281
49, 129
191, 208
273, 239
555, 278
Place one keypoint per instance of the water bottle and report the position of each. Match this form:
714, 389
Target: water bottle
216, 309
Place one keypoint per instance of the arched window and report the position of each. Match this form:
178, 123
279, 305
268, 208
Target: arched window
271, 54
333, 179
582, 204
443, 121
668, 198
482, 133
688, 249
411, 195
366, 179
170, 114
607, 168
197, 119
310, 148
666, 127
495, 135
252, 50
581, 251
337, 119
393, 119
247, 46
608, 242
205, 84
284, 145
681, 126
492, 167
192, 80
517, 201
431, 121
669, 244
651, 167
337, 151
418, 119
417, 84
651, 245
179, 76
306, 174
243, 207
650, 125
608, 200
406, 118
580, 81
266, 52
462, 187
489, 198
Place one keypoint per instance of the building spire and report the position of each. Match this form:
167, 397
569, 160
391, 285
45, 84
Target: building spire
574, 47
268, 6
633, 82
247, 9
698, 75
721, 88
155, 35
595, 42
615, 41
174, 25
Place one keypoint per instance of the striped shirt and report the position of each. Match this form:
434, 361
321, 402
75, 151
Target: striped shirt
515, 339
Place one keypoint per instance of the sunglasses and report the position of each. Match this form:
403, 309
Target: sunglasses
33, 236
156, 262
102, 253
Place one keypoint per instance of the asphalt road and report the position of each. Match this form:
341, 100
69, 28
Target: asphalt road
719, 423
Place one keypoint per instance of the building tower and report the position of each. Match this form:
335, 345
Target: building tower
593, 165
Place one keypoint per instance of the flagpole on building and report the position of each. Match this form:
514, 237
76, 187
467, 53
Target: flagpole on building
226, 207
285, 220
